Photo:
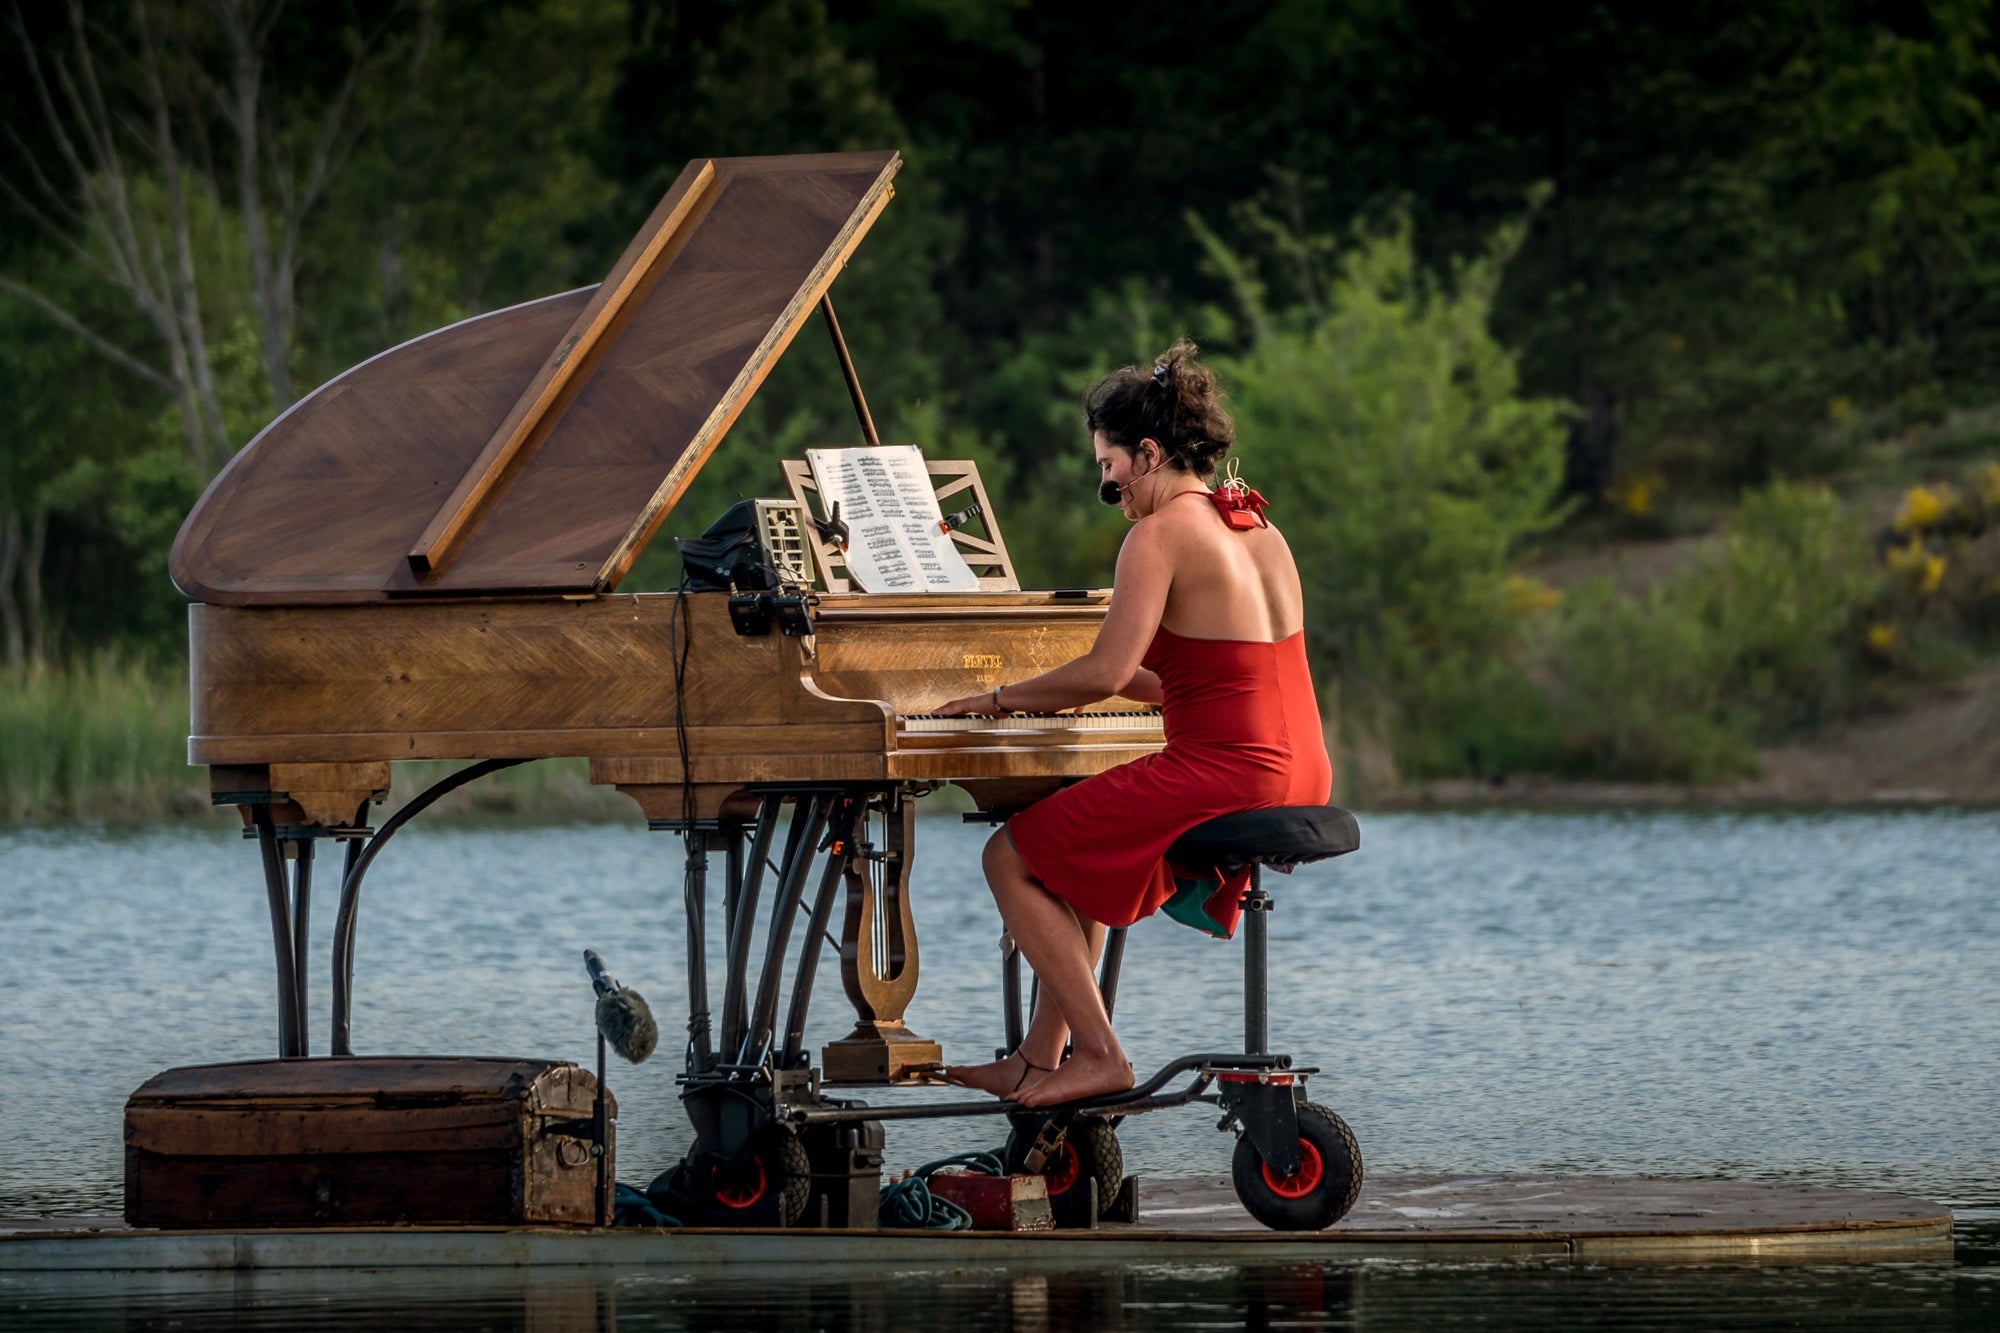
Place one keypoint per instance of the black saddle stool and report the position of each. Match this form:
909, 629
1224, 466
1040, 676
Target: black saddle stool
1287, 835
1283, 836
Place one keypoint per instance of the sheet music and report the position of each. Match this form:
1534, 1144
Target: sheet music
895, 541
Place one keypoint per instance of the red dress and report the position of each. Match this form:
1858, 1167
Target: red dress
1243, 733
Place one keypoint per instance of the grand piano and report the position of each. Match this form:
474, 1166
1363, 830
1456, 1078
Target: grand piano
420, 560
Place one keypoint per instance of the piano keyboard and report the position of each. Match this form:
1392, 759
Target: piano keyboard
1146, 720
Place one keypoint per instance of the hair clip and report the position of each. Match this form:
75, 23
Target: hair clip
1159, 372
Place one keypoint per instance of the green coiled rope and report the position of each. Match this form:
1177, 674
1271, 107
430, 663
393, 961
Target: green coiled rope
909, 1204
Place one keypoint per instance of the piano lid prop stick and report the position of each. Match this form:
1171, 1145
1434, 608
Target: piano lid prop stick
562, 374
847, 369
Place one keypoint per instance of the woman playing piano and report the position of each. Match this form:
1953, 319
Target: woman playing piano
1207, 620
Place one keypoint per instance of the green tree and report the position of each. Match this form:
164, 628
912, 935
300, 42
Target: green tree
1406, 468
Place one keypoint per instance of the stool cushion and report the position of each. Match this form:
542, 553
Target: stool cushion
1285, 835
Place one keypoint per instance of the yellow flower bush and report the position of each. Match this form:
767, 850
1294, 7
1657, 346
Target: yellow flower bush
1932, 574
1529, 597
1924, 507
1634, 497
1915, 561
1905, 559
1882, 638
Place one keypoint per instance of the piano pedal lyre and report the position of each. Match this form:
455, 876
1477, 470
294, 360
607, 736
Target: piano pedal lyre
878, 963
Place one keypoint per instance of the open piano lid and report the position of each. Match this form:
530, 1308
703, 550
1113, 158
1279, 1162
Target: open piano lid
535, 450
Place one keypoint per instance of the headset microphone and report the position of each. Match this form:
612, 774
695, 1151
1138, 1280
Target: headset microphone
1112, 493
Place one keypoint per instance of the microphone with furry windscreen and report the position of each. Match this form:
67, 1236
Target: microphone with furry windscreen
626, 1025
623, 1017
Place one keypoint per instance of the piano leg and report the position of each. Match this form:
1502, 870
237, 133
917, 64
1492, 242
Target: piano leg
342, 997
286, 909
739, 910
837, 854
801, 847
302, 864
878, 959
737, 1098
732, 875
1014, 1024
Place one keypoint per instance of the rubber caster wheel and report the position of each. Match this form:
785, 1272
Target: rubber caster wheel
1089, 1151
1315, 1196
768, 1187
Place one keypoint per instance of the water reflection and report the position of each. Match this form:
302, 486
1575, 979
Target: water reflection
1314, 1297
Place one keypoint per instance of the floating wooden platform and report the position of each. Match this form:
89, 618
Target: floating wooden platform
1411, 1218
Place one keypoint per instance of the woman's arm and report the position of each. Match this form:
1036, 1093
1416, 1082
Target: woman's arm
1143, 688
1138, 600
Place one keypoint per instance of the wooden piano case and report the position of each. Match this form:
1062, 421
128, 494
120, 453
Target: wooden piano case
364, 1141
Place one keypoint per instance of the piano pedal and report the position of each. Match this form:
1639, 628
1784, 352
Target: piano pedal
922, 1074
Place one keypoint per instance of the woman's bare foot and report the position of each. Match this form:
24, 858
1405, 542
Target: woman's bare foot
1005, 1077
1081, 1076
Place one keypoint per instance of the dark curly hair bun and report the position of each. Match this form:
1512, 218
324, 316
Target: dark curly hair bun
1176, 401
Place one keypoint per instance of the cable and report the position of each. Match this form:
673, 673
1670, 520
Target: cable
634, 1208
679, 640
908, 1203
982, 1162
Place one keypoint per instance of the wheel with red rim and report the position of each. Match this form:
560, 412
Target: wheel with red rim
1089, 1151
1319, 1192
774, 1174
744, 1187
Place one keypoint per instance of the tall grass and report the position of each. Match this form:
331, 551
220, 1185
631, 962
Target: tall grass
95, 739
105, 739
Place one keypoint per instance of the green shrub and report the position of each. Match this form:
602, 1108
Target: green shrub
1635, 690
1754, 641
1389, 432
1785, 599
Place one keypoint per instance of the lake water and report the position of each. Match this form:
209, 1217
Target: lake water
1783, 997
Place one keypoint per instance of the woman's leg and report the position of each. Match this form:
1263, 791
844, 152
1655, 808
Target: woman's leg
1048, 1030
1041, 1048
1056, 945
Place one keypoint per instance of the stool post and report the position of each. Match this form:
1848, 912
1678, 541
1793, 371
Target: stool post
1010, 994
1256, 971
1107, 974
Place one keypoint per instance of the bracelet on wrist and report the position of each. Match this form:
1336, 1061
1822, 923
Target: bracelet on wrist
997, 707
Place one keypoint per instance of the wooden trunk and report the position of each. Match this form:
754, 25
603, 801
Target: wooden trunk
364, 1141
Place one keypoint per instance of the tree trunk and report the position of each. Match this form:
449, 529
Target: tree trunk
152, 260
10, 608
389, 262
245, 86
1593, 447
33, 624
185, 292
